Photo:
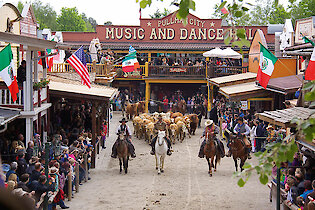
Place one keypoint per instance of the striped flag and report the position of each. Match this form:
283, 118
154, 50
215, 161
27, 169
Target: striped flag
310, 71
130, 63
6, 71
266, 66
78, 62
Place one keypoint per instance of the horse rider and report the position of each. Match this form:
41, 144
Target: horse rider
160, 125
242, 130
213, 128
124, 128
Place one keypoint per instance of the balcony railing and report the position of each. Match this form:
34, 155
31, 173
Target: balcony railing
39, 95
99, 69
219, 71
177, 71
118, 70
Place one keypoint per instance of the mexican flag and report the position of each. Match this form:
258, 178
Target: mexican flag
310, 71
130, 63
266, 66
7, 72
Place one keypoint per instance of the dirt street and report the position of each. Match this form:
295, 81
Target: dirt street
185, 184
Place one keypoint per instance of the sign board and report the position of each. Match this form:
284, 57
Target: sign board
178, 70
254, 51
306, 27
244, 105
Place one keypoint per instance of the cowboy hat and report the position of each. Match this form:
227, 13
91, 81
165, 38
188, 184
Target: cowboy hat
123, 120
269, 126
53, 170
208, 122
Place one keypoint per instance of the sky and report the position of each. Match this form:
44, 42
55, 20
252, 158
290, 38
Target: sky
123, 12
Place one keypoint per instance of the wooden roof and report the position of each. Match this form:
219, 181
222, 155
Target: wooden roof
79, 91
288, 84
284, 117
233, 79
242, 91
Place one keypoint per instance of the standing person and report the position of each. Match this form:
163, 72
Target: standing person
21, 72
260, 135
189, 105
104, 133
205, 105
165, 104
198, 111
253, 126
214, 114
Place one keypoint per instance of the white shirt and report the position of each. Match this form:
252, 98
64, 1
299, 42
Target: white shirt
127, 128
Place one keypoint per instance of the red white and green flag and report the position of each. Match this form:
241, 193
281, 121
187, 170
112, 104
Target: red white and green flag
7, 71
266, 66
130, 62
310, 71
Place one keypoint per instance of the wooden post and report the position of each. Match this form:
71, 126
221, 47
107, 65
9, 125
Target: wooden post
93, 134
147, 96
86, 167
69, 185
146, 69
149, 57
77, 176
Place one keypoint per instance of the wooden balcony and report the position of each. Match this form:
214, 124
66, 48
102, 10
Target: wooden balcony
39, 96
219, 71
99, 69
198, 72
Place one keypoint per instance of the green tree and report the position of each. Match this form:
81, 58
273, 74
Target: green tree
88, 25
93, 22
45, 15
70, 20
278, 14
302, 9
20, 6
158, 14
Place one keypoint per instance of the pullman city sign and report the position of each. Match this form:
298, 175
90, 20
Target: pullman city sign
171, 29
165, 30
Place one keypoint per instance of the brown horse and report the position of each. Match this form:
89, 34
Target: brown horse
122, 152
238, 149
211, 150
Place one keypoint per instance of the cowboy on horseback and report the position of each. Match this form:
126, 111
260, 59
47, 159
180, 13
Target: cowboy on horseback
124, 128
242, 130
160, 125
213, 128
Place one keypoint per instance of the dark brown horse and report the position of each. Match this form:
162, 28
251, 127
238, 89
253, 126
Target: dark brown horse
180, 107
122, 152
211, 150
238, 149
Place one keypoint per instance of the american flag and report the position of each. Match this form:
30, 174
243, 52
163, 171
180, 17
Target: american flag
78, 62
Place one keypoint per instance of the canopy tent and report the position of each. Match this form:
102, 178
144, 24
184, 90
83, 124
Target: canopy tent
230, 53
216, 52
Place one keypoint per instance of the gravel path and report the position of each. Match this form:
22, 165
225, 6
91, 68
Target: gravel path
185, 184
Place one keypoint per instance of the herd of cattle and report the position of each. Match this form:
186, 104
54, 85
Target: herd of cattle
179, 126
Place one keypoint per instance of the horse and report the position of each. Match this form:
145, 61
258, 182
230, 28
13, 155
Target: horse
238, 149
211, 150
160, 151
122, 152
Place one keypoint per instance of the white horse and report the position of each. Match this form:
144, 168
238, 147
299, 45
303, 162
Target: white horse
160, 151
94, 47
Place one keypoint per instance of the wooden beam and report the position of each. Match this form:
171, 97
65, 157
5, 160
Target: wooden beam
93, 134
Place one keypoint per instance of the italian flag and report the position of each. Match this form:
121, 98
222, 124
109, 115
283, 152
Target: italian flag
310, 71
266, 66
7, 72
130, 63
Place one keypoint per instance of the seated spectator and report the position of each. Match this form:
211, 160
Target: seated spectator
31, 166
308, 189
291, 188
41, 187
13, 167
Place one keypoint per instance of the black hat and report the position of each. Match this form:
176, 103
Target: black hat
123, 120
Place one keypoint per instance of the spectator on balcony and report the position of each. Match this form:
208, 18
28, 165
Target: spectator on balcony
21, 72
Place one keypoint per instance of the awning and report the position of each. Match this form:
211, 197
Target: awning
284, 117
233, 79
285, 85
98, 92
230, 53
242, 91
216, 52
8, 114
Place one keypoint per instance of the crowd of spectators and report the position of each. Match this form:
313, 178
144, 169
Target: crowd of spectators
24, 176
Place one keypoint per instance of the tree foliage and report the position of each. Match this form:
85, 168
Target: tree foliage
88, 25
45, 15
302, 9
70, 20
108, 23
158, 14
